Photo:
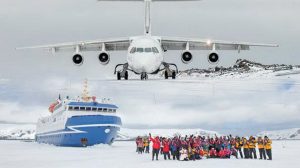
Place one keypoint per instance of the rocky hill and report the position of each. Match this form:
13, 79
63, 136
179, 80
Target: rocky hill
243, 68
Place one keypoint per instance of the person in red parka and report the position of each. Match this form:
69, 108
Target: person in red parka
213, 153
155, 146
166, 148
222, 153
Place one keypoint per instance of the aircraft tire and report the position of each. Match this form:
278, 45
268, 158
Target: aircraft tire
166, 75
173, 75
126, 75
119, 76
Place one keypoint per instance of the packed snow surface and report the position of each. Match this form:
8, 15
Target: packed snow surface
14, 154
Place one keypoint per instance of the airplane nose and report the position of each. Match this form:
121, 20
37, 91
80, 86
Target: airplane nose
145, 62
143, 59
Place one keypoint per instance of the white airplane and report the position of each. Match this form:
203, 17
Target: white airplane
145, 54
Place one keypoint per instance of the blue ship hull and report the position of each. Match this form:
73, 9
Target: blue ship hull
84, 131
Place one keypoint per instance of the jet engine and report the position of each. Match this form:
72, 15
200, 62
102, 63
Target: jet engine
186, 57
104, 58
77, 59
213, 58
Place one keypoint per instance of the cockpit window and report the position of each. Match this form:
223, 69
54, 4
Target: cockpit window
140, 50
148, 50
133, 50
155, 50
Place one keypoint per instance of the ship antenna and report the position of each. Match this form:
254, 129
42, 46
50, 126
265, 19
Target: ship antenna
85, 93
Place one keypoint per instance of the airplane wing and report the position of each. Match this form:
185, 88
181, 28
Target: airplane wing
117, 44
178, 43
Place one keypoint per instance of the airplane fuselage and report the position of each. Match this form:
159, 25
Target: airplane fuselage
145, 54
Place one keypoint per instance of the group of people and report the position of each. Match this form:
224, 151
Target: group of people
198, 147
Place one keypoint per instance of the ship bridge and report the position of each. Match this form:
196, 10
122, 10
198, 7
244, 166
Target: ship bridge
92, 106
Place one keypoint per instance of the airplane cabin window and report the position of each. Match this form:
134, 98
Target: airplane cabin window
133, 50
148, 50
140, 50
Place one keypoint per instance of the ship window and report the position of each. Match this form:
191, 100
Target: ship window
70, 108
114, 110
105, 110
82, 108
100, 109
94, 109
88, 109
109, 110
148, 50
76, 108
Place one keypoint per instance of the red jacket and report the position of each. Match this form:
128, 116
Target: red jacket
212, 152
227, 152
156, 143
166, 146
222, 153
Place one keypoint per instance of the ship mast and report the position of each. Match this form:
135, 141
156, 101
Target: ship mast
85, 93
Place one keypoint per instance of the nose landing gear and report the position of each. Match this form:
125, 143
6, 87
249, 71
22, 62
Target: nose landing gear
144, 76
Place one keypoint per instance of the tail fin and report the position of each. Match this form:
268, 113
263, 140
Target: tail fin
147, 25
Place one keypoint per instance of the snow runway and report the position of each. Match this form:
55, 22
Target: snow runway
14, 154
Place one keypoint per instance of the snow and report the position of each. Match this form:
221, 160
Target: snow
17, 131
290, 134
27, 131
233, 101
122, 154
129, 134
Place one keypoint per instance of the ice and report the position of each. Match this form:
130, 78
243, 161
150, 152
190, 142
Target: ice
14, 154
17, 131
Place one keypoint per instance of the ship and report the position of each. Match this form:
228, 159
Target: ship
79, 122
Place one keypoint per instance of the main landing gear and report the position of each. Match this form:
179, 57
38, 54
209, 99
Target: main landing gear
169, 72
122, 73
